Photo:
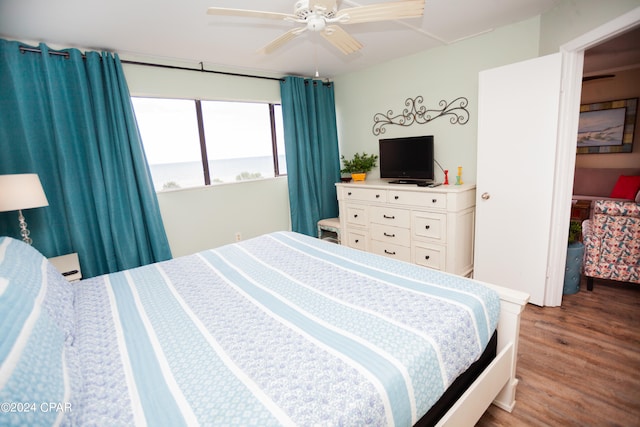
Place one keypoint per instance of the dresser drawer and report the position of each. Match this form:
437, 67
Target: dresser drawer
388, 234
357, 215
432, 226
421, 199
432, 256
390, 216
365, 194
402, 253
357, 240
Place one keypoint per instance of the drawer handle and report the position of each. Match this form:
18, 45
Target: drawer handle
397, 197
434, 200
357, 240
349, 193
355, 215
388, 217
427, 227
427, 257
389, 235
389, 253
377, 196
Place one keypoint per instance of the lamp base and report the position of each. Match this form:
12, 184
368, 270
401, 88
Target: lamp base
24, 231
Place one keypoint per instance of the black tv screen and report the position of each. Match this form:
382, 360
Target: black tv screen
407, 159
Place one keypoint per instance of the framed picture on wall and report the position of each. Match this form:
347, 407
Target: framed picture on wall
607, 127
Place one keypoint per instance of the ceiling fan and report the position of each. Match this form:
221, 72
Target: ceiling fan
323, 16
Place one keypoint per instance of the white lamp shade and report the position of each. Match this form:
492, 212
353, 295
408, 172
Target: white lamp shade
21, 191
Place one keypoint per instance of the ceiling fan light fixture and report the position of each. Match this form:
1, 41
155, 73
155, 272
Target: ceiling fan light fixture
316, 23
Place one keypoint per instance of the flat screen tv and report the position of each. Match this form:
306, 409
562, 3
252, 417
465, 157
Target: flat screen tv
407, 160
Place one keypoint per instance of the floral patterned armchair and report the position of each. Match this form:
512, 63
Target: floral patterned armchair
612, 242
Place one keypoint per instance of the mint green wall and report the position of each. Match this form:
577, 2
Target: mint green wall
172, 83
206, 217
444, 73
571, 19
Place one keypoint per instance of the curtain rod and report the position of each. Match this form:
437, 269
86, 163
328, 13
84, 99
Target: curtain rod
24, 49
201, 69
172, 67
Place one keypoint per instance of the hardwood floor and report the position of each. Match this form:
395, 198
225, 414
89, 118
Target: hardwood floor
579, 364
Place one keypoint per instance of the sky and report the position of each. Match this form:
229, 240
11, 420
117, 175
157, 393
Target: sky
169, 129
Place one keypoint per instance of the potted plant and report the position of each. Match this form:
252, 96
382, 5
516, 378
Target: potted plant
575, 230
359, 165
575, 252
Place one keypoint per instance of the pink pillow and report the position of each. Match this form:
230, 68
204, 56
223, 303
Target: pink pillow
626, 187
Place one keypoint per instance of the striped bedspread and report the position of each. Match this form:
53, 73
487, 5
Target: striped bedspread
278, 330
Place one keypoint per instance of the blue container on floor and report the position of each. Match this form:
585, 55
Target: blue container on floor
573, 269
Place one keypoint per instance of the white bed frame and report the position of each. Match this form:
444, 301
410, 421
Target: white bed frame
497, 383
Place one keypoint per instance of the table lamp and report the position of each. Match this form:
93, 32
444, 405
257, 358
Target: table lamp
21, 191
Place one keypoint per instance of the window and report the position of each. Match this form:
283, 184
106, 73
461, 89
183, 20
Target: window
282, 161
190, 142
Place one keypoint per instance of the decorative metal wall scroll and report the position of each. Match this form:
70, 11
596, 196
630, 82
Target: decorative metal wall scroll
417, 113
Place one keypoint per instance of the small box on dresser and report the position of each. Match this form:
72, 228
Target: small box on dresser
433, 227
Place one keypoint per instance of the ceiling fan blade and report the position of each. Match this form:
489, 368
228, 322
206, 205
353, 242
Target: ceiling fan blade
341, 39
381, 12
221, 11
278, 42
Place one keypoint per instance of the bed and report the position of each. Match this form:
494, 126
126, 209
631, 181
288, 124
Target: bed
282, 329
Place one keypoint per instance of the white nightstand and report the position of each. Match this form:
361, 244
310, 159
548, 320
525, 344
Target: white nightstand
68, 265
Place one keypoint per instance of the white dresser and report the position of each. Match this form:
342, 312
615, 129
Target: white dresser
433, 227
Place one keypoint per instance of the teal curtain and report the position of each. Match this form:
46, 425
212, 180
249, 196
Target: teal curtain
68, 117
311, 144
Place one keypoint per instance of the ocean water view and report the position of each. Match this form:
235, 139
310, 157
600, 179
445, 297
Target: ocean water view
168, 176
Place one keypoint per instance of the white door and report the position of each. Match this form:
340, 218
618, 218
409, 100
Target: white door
518, 108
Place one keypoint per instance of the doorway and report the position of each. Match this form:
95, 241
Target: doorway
573, 60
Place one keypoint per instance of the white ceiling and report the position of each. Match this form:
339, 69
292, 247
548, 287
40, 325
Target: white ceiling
181, 30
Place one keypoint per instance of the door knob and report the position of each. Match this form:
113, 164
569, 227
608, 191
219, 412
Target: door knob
486, 196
